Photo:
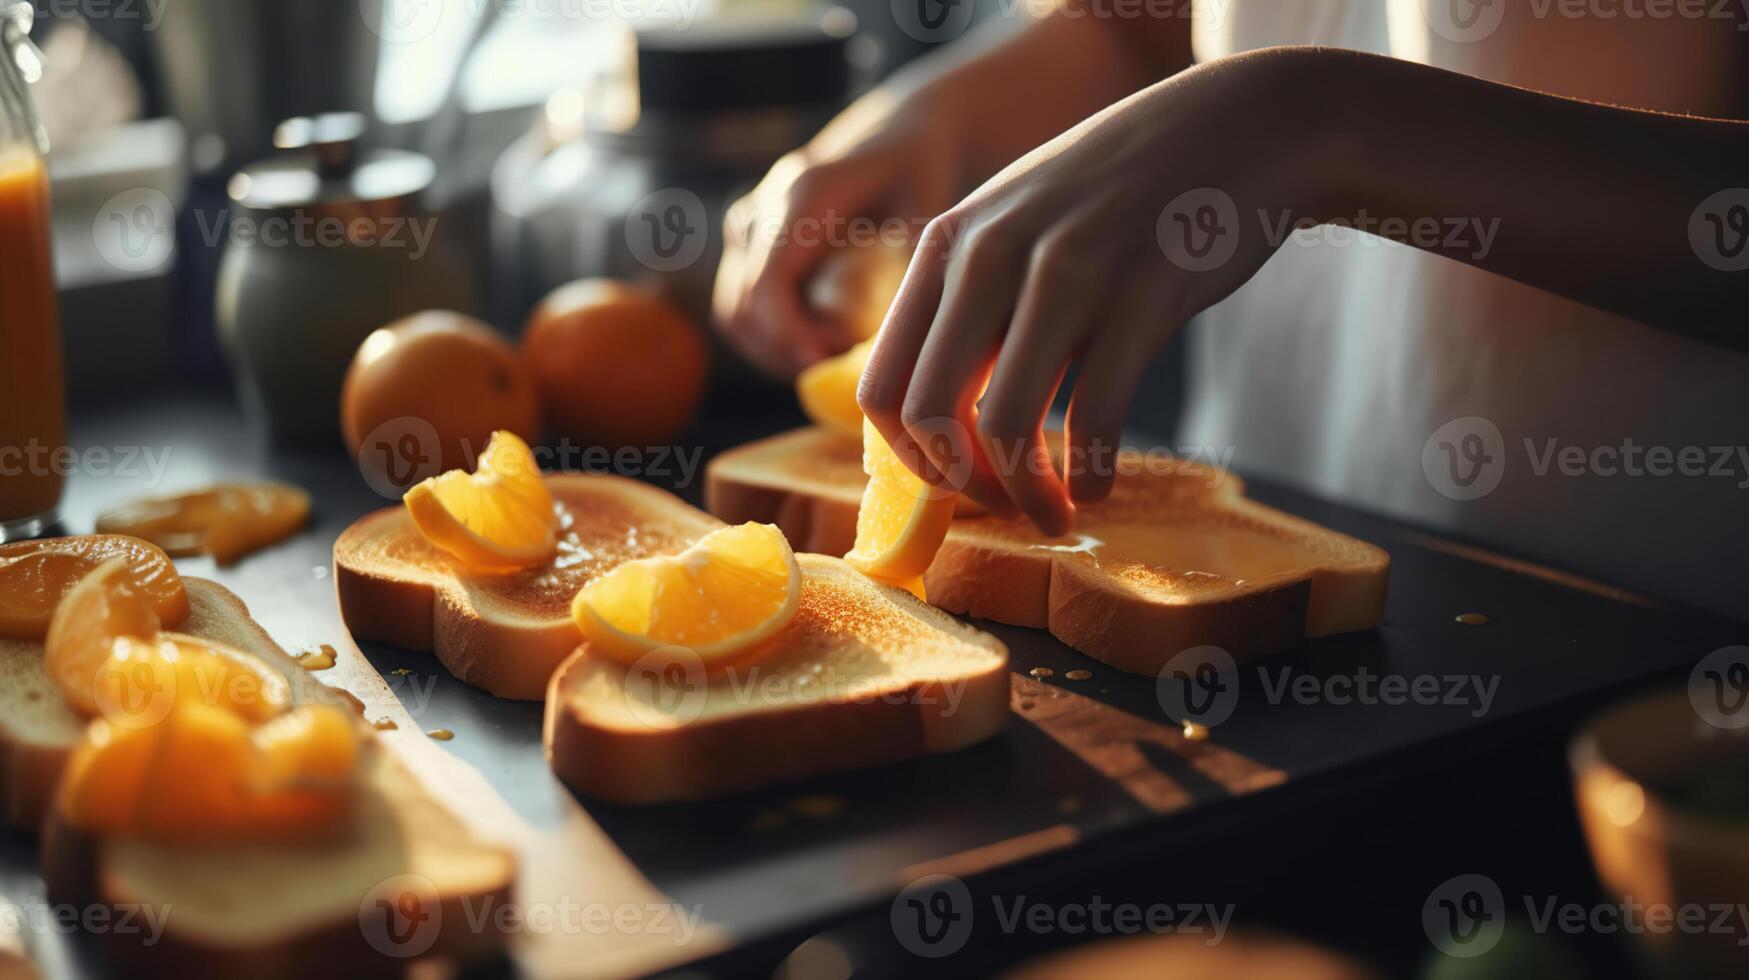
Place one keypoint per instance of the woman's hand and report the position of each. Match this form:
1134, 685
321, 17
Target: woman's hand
879, 171
1092, 249
905, 152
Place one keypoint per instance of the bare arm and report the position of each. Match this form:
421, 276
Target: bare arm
1096, 246
1592, 202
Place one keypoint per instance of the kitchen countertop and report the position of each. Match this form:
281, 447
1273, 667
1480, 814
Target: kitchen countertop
1090, 774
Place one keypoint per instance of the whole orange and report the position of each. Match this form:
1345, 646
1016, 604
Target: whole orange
616, 366
424, 394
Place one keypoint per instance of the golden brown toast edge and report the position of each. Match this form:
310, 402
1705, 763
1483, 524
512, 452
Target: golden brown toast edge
72, 868
641, 766
1077, 603
428, 608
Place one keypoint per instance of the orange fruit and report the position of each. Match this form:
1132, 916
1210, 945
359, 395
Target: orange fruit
615, 366
36, 575
443, 370
498, 518
206, 776
228, 521
827, 390
108, 656
902, 520
729, 593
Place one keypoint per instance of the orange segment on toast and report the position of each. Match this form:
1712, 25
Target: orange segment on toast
1176, 557
901, 521
499, 517
39, 728
108, 657
204, 775
36, 575
730, 593
227, 521
505, 633
271, 839
827, 390
865, 675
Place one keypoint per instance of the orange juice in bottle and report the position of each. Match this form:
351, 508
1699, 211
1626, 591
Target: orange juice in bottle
33, 411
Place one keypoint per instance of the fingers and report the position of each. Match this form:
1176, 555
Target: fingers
881, 392
940, 407
1106, 385
759, 296
1048, 325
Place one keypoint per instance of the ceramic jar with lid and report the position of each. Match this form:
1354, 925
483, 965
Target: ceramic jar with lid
327, 242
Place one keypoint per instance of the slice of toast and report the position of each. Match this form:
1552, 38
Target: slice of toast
865, 675
258, 910
1175, 558
504, 633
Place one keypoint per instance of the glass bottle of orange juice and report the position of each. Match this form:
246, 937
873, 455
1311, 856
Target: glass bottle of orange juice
33, 410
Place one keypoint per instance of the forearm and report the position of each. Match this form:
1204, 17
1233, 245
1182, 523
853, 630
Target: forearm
1011, 86
1587, 201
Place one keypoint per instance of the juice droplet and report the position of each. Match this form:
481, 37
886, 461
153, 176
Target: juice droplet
401, 671
441, 734
1041, 672
384, 725
321, 658
1196, 732
1473, 619
1079, 675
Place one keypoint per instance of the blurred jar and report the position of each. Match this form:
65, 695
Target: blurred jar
1662, 788
630, 178
33, 408
327, 242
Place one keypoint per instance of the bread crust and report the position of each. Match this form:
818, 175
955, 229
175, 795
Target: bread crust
982, 576
73, 874
639, 764
74, 869
413, 598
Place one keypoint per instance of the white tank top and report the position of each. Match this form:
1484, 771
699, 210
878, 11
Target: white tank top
1422, 388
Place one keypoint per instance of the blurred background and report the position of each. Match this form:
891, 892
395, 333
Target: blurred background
547, 124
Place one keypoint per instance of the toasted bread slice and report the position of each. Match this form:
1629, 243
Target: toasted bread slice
38, 730
865, 675
258, 910
504, 633
1176, 557
292, 910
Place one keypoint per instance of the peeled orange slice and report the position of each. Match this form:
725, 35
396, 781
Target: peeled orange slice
227, 521
827, 390
108, 657
732, 591
498, 518
902, 521
206, 776
36, 575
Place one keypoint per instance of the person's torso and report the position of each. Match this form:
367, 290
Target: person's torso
1408, 383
